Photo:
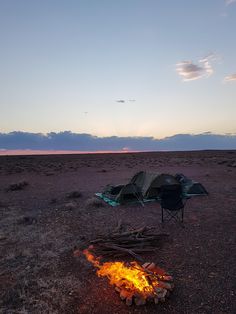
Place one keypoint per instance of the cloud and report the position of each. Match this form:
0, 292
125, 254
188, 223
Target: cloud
123, 100
228, 2
230, 78
190, 71
87, 142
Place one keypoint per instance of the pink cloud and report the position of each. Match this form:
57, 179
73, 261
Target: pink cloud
230, 78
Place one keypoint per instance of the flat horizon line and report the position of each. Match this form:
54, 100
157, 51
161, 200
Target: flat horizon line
26, 152
34, 152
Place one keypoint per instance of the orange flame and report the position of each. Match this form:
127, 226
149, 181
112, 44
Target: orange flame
131, 277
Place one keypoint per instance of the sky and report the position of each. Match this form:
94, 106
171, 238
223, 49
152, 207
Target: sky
124, 68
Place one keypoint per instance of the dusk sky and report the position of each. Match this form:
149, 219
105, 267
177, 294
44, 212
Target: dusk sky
118, 67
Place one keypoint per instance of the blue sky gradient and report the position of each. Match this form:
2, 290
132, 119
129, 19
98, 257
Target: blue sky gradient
64, 65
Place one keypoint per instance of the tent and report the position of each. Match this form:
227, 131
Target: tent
150, 183
190, 187
146, 187
122, 193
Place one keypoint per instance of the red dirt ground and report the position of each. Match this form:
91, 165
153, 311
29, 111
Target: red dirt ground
40, 227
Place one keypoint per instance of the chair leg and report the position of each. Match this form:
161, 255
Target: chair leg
178, 216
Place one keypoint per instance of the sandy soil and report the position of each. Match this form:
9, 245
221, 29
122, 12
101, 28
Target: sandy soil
41, 226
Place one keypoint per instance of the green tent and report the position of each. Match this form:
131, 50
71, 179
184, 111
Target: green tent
122, 194
189, 186
146, 186
150, 183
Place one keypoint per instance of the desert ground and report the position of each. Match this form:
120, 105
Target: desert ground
48, 210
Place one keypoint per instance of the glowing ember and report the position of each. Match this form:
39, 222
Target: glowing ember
134, 281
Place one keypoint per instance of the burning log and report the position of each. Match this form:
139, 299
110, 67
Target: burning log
135, 283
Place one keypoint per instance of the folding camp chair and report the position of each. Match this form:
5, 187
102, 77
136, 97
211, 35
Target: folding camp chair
172, 203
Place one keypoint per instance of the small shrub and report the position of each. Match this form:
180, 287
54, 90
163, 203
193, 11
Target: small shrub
27, 220
2, 204
74, 194
222, 162
103, 170
48, 174
18, 186
53, 201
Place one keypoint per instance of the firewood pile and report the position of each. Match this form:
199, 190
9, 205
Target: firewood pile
129, 242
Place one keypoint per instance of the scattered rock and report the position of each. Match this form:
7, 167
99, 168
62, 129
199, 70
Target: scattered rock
94, 202
70, 205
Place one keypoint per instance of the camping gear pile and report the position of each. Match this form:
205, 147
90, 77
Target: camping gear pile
147, 186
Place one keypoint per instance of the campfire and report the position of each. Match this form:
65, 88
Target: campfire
135, 283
